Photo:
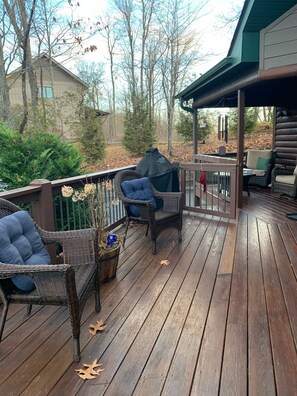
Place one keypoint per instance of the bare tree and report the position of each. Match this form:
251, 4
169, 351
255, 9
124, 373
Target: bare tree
147, 10
229, 19
176, 18
60, 35
111, 34
21, 15
134, 24
268, 114
93, 74
5, 114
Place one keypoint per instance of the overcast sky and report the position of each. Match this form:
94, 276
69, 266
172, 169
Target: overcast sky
214, 40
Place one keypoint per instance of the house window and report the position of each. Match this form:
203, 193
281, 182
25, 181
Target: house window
45, 92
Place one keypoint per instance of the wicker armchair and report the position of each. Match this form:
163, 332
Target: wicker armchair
169, 215
284, 181
56, 284
262, 178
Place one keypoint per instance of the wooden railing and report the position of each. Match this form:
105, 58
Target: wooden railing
211, 158
216, 195
209, 185
51, 211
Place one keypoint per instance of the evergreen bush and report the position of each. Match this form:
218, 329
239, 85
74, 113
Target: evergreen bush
184, 125
139, 130
250, 121
91, 136
38, 155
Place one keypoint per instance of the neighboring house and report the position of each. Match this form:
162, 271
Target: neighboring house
61, 89
260, 70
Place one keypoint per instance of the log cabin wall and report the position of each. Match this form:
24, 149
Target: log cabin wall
286, 137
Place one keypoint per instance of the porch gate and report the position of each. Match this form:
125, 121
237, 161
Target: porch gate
209, 186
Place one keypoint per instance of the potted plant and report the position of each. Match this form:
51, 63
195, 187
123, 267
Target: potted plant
108, 243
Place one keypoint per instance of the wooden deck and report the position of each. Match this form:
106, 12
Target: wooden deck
220, 318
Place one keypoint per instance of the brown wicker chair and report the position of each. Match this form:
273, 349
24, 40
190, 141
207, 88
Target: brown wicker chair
170, 215
56, 284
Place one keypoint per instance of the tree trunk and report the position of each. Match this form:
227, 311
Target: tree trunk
5, 115
22, 33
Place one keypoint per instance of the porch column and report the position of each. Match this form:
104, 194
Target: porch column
240, 145
195, 132
273, 128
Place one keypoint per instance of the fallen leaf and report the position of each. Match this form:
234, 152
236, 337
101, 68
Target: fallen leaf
89, 372
99, 326
164, 262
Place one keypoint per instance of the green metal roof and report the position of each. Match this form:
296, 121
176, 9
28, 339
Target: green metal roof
243, 53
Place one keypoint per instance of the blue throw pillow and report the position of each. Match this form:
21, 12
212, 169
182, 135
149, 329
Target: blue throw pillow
138, 189
20, 243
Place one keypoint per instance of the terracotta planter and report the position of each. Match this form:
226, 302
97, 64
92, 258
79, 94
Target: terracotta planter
109, 264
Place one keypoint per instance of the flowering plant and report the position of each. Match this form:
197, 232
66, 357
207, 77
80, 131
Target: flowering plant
97, 211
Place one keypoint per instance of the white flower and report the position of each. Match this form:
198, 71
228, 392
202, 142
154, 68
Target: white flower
108, 185
67, 191
81, 196
90, 188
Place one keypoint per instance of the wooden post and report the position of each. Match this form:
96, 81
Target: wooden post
219, 127
273, 128
195, 133
240, 145
43, 211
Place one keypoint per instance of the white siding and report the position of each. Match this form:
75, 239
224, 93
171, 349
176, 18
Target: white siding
278, 42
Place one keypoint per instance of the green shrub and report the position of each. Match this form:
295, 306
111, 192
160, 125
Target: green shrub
91, 136
250, 121
184, 125
139, 129
35, 156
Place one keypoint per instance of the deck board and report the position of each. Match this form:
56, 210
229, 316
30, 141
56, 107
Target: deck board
234, 368
282, 342
219, 319
261, 379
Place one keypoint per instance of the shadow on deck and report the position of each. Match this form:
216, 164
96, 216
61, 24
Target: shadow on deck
220, 318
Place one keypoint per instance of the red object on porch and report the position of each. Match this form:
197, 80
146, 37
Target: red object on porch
203, 180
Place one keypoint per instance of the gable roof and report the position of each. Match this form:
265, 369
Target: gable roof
240, 68
57, 64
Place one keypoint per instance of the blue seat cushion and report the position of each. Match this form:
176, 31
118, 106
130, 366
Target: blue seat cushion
139, 189
20, 243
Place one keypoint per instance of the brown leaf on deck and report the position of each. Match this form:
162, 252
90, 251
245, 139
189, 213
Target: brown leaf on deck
99, 326
89, 372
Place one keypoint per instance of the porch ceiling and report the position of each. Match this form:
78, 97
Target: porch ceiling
275, 92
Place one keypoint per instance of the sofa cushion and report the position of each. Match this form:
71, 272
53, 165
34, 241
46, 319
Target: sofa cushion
262, 163
253, 155
139, 189
286, 179
20, 243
